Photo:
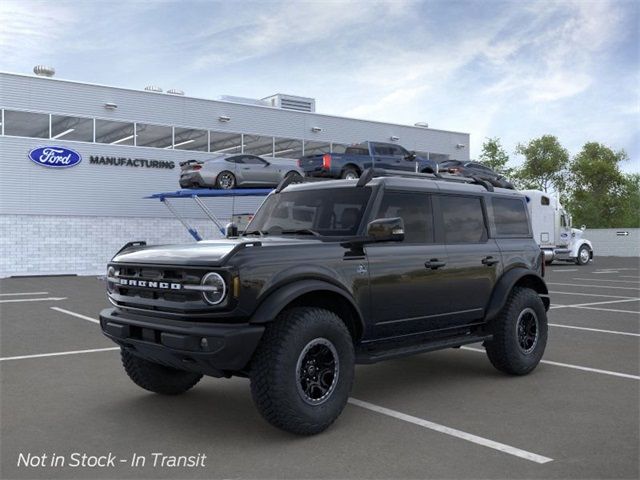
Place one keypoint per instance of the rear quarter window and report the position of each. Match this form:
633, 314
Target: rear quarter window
510, 217
463, 219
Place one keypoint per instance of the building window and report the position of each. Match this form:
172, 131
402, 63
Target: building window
115, 133
71, 128
225, 143
190, 139
287, 148
258, 145
157, 136
26, 124
316, 148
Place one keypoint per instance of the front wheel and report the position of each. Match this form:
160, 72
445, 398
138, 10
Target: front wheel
584, 255
302, 371
225, 180
157, 378
519, 333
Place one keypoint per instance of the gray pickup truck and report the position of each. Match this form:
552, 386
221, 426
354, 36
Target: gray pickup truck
357, 158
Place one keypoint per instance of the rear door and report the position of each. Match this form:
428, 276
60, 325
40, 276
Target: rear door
407, 292
474, 260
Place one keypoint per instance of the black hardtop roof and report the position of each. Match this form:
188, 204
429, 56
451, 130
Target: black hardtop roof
429, 184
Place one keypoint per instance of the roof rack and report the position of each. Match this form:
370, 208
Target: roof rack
371, 173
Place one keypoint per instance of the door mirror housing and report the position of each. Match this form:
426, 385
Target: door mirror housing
411, 156
386, 230
231, 230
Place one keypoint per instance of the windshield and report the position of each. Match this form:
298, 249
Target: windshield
328, 212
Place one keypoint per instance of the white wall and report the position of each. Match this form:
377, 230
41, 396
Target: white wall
49, 245
607, 242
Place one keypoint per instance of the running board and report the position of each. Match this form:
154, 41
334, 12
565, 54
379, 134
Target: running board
373, 356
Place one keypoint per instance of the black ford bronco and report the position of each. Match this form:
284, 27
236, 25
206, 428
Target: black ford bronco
331, 274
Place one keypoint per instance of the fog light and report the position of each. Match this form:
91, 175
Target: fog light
204, 343
214, 288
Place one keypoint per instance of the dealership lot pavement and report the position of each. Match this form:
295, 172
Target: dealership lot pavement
447, 414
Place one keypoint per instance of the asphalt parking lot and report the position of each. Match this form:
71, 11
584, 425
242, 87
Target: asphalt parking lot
447, 414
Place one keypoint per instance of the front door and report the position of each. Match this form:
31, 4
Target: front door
408, 295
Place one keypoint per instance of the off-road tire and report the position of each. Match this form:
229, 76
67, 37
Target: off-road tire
220, 177
350, 172
274, 372
504, 350
157, 378
579, 260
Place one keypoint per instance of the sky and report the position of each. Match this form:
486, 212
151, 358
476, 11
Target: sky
509, 69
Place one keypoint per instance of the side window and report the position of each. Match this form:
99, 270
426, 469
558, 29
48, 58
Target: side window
235, 160
414, 209
383, 150
463, 219
510, 217
251, 160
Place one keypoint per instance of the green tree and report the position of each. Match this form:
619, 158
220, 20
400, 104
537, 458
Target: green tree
545, 164
495, 157
601, 195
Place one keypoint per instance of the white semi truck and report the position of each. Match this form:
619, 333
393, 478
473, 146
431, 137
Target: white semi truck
553, 231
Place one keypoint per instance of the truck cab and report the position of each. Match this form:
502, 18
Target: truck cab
553, 231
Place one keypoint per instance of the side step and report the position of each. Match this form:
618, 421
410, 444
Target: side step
365, 356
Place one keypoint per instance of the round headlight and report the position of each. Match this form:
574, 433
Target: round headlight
111, 273
215, 288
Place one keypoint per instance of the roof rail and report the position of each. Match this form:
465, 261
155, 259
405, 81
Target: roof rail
371, 173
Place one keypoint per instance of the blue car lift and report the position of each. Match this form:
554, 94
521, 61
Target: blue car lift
197, 194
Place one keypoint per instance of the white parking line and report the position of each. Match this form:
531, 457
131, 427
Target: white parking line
595, 303
605, 272
582, 285
23, 293
569, 270
587, 294
74, 314
598, 330
16, 300
633, 312
568, 365
606, 280
628, 276
485, 442
56, 354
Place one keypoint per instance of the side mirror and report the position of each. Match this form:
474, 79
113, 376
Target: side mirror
411, 156
583, 228
231, 230
386, 229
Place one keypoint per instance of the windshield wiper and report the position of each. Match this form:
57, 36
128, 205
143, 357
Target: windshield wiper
302, 231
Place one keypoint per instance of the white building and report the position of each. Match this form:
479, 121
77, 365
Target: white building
72, 220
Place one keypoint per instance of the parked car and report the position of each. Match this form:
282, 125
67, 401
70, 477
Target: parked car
231, 171
475, 169
357, 158
327, 275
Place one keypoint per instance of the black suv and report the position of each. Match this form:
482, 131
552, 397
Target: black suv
327, 275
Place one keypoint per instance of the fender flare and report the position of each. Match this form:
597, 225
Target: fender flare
576, 247
505, 284
273, 304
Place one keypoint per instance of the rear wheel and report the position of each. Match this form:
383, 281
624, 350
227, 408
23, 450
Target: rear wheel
519, 333
157, 378
350, 173
225, 180
584, 255
302, 371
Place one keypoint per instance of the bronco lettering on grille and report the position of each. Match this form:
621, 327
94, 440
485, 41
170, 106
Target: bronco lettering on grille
149, 284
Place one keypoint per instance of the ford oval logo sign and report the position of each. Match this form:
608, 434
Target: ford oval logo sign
55, 157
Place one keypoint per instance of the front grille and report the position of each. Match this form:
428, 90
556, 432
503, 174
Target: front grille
159, 296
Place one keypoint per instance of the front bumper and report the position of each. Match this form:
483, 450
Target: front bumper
210, 348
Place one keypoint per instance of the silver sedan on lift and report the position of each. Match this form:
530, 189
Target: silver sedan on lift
242, 170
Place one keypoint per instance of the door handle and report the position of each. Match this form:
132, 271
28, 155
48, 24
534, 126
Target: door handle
489, 261
434, 264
